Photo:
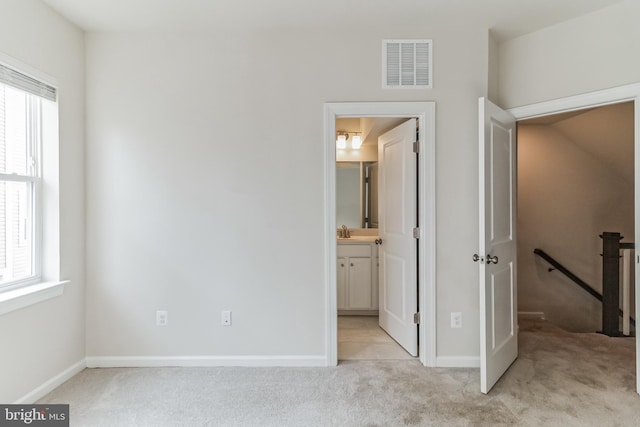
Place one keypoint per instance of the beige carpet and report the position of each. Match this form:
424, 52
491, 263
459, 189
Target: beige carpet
360, 338
560, 379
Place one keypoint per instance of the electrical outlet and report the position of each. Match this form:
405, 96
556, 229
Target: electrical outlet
456, 320
162, 318
226, 318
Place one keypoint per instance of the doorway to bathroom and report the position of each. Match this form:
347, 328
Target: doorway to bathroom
373, 287
410, 323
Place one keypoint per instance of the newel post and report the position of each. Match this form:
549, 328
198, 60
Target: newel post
610, 283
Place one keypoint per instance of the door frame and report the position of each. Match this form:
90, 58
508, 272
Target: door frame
600, 98
425, 113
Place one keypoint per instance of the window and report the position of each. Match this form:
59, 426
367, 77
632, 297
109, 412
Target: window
22, 102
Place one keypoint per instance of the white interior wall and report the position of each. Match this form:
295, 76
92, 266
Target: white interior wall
586, 54
366, 153
566, 199
205, 184
493, 84
43, 340
589, 53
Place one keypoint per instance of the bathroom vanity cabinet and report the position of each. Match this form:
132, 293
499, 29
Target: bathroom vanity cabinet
357, 281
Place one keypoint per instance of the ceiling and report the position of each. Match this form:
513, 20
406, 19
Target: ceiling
506, 18
370, 128
607, 133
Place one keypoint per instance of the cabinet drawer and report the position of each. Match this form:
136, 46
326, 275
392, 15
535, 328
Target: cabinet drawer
354, 250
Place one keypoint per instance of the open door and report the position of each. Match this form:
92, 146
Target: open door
497, 243
397, 219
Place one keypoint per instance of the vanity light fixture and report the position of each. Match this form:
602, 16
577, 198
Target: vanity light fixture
341, 141
343, 136
356, 142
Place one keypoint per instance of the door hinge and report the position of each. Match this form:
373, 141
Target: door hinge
416, 233
416, 147
416, 318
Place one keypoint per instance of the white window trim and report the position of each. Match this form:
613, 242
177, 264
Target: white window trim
49, 285
25, 296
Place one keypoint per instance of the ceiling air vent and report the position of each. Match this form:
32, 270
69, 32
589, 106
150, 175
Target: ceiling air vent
406, 64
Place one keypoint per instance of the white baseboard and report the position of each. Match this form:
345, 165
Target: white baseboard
458, 361
204, 361
531, 315
49, 385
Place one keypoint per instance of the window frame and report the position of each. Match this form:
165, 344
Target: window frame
48, 284
32, 176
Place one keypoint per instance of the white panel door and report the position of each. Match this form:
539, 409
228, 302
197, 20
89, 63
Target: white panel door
398, 252
497, 246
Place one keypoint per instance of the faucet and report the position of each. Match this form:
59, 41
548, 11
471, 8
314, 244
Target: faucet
344, 232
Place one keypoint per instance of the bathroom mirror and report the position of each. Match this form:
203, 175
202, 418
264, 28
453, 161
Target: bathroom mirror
357, 194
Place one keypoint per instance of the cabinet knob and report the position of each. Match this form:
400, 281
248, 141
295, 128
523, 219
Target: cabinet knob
341, 265
351, 264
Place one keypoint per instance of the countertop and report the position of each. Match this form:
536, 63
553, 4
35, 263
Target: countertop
357, 239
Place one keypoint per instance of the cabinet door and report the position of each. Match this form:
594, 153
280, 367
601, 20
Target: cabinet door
375, 264
359, 290
342, 268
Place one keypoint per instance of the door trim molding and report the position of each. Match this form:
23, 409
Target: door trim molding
615, 95
425, 113
599, 98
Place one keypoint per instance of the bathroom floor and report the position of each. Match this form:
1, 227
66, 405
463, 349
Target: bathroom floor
360, 338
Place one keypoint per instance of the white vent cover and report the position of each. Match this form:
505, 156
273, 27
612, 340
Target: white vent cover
406, 64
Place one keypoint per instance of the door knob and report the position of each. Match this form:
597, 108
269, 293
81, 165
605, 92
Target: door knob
477, 258
492, 259
378, 241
